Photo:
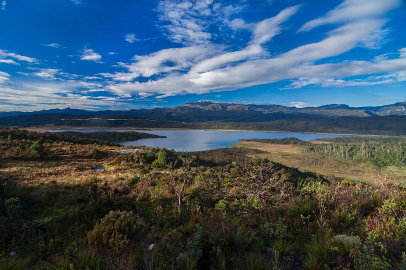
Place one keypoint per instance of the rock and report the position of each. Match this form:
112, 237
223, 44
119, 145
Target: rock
13, 253
348, 240
151, 247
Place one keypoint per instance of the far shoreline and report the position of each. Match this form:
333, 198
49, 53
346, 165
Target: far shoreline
47, 128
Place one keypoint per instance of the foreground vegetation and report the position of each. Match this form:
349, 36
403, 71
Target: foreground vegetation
78, 205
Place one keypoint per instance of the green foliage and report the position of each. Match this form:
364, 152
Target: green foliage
253, 261
38, 148
319, 253
116, 231
14, 220
16, 263
165, 158
149, 155
365, 257
291, 141
282, 246
381, 151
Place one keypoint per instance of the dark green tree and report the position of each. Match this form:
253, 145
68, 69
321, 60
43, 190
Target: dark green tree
38, 148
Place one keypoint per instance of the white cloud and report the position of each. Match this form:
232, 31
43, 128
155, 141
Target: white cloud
189, 21
91, 78
50, 74
240, 24
227, 58
8, 61
47, 73
35, 96
181, 73
301, 104
130, 38
3, 5
112, 53
6, 54
53, 45
22, 58
264, 31
297, 63
402, 52
91, 85
392, 77
90, 55
375, 40
354, 10
189, 66
77, 2
165, 61
4, 77
106, 75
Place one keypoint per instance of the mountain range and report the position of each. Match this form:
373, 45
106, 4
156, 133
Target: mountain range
210, 111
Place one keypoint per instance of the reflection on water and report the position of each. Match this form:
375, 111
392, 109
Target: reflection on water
198, 140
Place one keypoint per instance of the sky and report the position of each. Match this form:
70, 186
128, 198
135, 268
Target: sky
132, 54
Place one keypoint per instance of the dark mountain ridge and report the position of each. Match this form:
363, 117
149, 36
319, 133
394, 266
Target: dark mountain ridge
208, 111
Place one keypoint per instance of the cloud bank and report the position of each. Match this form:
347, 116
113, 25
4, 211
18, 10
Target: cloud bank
215, 48
202, 66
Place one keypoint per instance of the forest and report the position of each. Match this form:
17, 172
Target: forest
71, 203
380, 151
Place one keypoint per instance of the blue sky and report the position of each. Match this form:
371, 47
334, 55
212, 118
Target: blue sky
99, 54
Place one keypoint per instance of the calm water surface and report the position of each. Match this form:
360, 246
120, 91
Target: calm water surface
198, 140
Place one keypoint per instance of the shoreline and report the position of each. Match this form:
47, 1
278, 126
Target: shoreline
46, 129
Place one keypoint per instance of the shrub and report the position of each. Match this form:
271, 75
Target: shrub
165, 158
365, 257
319, 253
38, 148
149, 156
253, 261
116, 231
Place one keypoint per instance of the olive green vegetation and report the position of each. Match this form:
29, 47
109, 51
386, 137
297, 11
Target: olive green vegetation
159, 209
382, 125
111, 136
380, 151
290, 141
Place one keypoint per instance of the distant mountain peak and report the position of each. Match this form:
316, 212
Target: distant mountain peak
334, 107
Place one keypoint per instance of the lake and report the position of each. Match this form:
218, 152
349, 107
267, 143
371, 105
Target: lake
199, 140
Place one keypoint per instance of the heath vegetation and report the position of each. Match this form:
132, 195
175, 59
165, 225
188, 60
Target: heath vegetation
74, 203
